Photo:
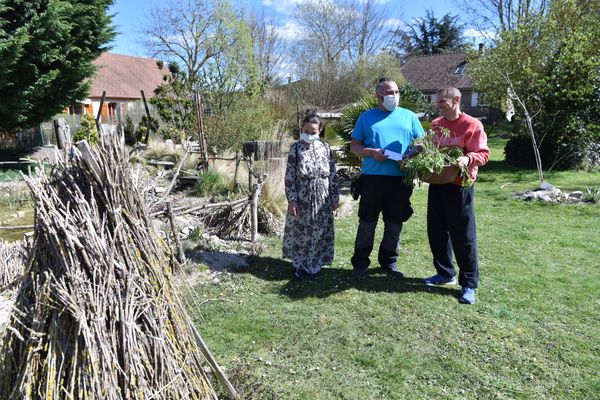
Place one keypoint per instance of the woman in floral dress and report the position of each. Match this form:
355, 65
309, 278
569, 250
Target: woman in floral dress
312, 194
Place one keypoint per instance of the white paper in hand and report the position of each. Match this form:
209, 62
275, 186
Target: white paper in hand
392, 155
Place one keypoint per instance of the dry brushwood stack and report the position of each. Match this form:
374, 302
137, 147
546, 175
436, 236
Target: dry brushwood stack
97, 316
12, 262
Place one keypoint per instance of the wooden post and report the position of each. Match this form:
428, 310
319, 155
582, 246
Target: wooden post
148, 115
237, 164
178, 246
170, 187
98, 121
254, 207
221, 377
62, 132
203, 162
250, 171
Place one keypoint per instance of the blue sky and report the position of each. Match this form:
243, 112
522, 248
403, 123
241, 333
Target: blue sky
131, 16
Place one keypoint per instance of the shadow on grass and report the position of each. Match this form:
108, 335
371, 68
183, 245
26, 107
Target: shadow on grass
335, 280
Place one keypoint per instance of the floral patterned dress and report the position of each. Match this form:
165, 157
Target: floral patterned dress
310, 180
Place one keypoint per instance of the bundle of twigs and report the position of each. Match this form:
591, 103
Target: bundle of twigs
97, 316
233, 221
12, 262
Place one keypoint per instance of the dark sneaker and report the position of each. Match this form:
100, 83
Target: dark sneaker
359, 274
393, 272
396, 275
437, 280
467, 295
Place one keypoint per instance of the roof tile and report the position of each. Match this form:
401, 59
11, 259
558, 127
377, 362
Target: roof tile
433, 72
125, 76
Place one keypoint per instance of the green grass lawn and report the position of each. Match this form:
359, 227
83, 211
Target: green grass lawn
533, 334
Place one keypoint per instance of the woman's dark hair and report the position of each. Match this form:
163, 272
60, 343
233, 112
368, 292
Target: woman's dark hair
313, 118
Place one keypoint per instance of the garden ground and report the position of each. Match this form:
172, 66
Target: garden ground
533, 334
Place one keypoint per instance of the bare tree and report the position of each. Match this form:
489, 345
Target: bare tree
328, 28
501, 15
340, 41
373, 33
268, 47
190, 32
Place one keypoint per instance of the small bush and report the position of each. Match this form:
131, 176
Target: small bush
592, 195
591, 157
88, 127
518, 151
174, 134
210, 183
159, 150
129, 131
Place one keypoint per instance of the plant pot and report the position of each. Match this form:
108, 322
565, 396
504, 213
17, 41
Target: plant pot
448, 175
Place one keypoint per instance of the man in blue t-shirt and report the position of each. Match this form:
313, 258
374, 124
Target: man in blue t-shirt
387, 127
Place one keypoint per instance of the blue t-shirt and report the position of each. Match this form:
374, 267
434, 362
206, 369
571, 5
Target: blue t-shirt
393, 131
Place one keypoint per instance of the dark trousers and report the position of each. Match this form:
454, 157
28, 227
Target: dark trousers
451, 226
389, 196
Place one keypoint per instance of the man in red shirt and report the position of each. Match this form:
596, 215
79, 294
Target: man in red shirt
450, 214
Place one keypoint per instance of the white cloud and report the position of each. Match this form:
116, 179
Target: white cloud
377, 2
479, 36
290, 31
282, 6
393, 23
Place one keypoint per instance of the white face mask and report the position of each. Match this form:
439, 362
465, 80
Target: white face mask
308, 138
390, 102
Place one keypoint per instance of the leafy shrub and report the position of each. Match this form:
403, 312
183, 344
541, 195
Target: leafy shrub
518, 151
210, 183
245, 120
147, 125
591, 156
88, 127
413, 99
131, 137
592, 195
174, 134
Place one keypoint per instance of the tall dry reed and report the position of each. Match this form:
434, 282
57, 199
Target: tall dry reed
97, 316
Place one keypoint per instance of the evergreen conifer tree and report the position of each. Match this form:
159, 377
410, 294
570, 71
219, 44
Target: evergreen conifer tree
46, 53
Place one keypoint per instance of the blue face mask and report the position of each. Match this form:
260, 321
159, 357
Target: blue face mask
308, 138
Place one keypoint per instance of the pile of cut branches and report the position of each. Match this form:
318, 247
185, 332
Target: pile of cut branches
432, 159
234, 221
97, 316
12, 262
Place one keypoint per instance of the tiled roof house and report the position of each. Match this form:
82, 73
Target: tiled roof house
429, 73
123, 78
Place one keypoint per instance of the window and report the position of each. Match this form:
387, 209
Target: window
460, 69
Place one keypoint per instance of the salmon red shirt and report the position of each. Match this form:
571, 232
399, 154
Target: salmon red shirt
467, 133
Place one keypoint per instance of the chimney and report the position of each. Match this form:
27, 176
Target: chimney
481, 49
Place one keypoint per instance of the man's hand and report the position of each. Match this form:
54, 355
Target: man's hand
415, 151
378, 155
293, 208
462, 162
